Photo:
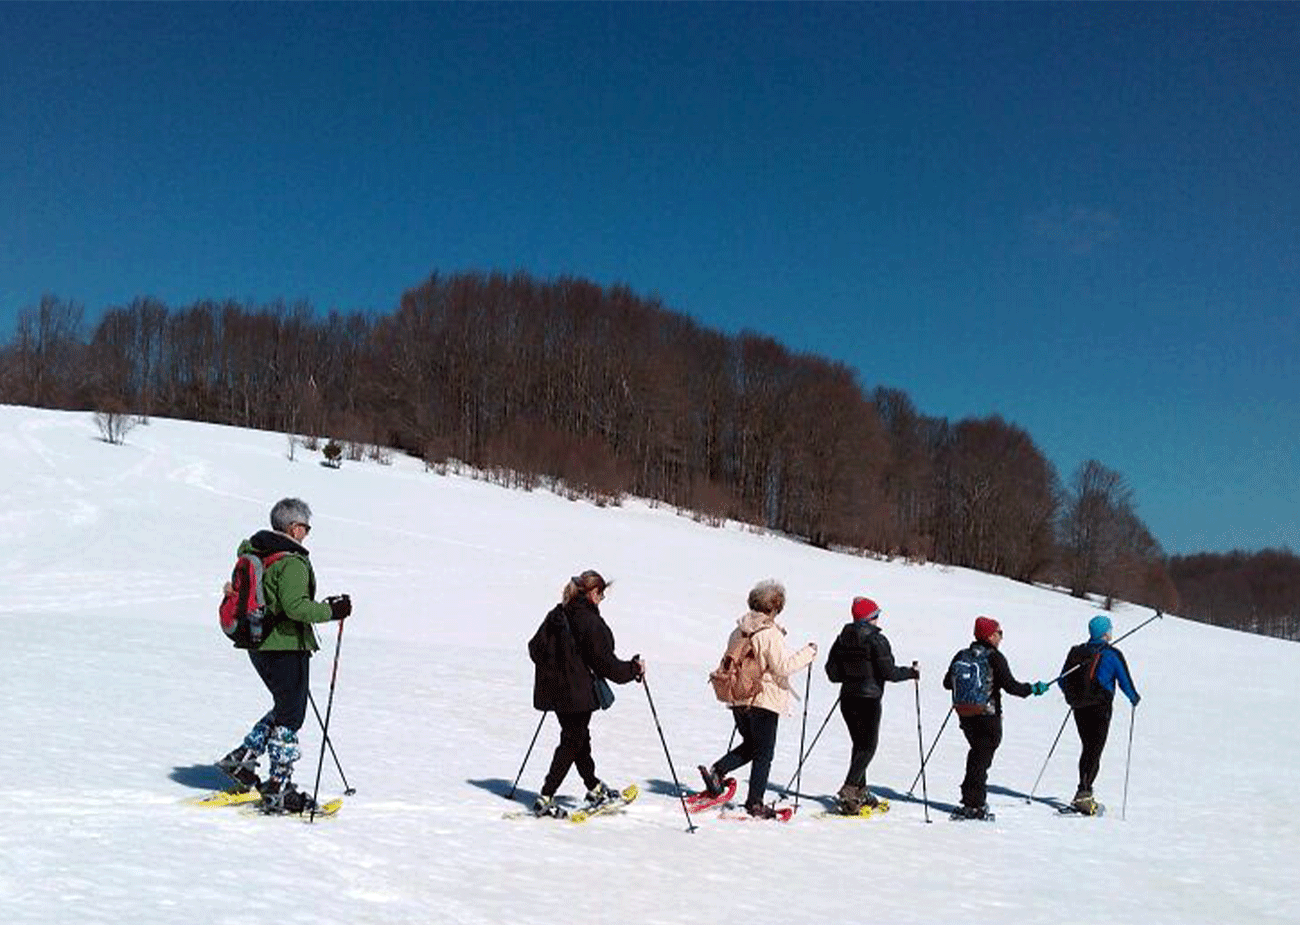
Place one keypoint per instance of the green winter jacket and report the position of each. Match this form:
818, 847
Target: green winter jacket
289, 585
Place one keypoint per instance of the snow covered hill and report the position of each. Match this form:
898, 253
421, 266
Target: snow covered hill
119, 690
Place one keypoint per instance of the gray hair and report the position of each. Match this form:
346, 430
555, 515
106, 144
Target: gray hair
768, 596
289, 511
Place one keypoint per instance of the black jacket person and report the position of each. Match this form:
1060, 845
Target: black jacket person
571, 649
861, 662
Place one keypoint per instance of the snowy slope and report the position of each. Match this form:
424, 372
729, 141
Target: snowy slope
119, 690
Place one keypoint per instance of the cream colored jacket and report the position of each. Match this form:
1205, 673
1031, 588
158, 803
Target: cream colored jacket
768, 638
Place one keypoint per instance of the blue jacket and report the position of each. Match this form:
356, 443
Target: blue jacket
1111, 670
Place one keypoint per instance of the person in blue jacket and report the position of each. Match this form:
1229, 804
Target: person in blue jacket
1089, 676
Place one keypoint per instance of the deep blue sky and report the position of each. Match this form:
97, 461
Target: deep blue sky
1083, 217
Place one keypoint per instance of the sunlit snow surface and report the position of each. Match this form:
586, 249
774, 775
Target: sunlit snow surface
119, 690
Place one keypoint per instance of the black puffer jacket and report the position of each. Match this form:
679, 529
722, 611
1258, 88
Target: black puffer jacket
862, 662
572, 642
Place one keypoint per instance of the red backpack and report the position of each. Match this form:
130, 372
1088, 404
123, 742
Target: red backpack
244, 616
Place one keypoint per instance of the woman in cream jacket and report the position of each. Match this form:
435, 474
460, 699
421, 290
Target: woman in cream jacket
757, 716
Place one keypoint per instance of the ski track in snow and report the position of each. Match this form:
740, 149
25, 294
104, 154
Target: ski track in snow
119, 692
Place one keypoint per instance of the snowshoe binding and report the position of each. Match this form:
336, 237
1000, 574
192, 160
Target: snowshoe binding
240, 766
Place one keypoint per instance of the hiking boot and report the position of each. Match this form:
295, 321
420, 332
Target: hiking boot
712, 781
602, 793
760, 811
851, 799
1085, 804
977, 812
240, 766
279, 797
546, 806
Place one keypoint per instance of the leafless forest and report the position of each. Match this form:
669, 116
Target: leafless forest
602, 392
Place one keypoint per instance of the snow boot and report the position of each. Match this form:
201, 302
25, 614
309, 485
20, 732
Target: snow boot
601, 794
712, 780
546, 806
852, 800
1084, 803
760, 811
980, 813
240, 766
281, 797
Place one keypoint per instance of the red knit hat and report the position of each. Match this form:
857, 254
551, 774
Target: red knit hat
864, 608
985, 627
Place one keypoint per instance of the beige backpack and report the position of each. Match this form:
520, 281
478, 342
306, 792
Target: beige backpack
738, 678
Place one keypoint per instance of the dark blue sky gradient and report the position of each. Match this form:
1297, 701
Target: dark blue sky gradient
1083, 217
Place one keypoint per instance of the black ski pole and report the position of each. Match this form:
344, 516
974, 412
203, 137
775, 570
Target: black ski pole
804, 756
926, 759
1038, 780
803, 729
347, 791
1128, 761
325, 727
920, 751
690, 826
527, 754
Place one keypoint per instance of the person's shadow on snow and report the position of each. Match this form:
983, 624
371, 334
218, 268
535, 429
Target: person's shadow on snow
200, 777
502, 788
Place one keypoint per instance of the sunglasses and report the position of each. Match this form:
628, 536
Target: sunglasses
306, 528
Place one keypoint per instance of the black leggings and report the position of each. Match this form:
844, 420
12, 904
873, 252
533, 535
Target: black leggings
574, 748
862, 716
285, 675
757, 728
1093, 724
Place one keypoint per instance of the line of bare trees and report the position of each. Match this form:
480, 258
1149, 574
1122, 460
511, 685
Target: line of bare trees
609, 392
1257, 592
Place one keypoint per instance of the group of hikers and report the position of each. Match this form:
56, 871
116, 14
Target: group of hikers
271, 610
573, 650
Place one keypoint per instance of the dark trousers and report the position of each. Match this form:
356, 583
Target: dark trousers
984, 735
285, 676
574, 748
757, 728
862, 716
1093, 724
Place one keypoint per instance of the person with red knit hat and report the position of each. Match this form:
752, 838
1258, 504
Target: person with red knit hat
976, 676
861, 662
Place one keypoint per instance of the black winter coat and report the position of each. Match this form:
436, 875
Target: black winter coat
862, 661
573, 642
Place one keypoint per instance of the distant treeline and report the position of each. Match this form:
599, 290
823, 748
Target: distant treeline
1258, 592
608, 392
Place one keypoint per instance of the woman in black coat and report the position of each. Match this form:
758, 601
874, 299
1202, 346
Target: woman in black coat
571, 649
861, 662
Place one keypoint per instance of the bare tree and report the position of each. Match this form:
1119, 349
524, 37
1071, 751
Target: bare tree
1097, 500
47, 345
114, 424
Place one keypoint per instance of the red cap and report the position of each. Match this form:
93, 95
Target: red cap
985, 627
864, 608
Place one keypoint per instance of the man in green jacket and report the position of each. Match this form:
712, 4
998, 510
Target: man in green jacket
282, 660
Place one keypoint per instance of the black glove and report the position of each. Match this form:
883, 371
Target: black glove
638, 668
340, 606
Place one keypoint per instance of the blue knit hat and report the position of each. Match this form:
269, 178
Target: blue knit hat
1098, 626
